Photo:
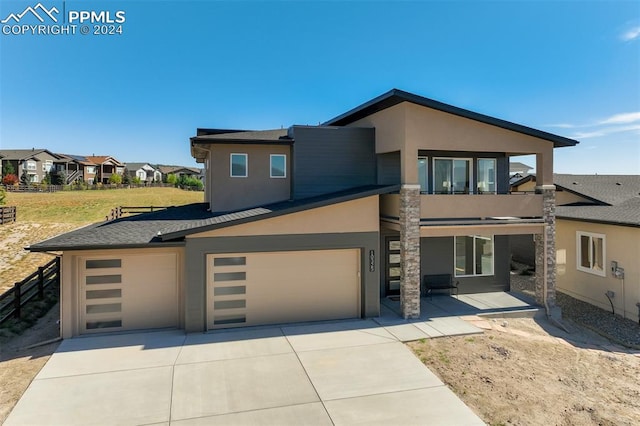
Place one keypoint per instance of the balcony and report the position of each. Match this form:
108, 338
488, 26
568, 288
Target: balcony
468, 206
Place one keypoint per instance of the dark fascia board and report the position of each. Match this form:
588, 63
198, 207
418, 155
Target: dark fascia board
200, 141
200, 131
280, 212
601, 221
396, 96
36, 248
579, 194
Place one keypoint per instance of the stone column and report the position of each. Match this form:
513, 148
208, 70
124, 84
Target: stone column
410, 251
545, 244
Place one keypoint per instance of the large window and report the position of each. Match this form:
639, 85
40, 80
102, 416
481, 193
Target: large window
31, 165
473, 255
239, 165
278, 166
591, 253
452, 176
486, 175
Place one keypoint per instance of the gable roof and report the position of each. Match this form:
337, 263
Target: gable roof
395, 96
100, 159
516, 166
615, 198
136, 166
169, 227
24, 154
165, 170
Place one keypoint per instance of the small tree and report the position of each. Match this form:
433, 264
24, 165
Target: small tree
59, 178
115, 179
126, 179
136, 180
172, 179
7, 169
46, 180
10, 179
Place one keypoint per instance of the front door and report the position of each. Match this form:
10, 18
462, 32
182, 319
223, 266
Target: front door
392, 266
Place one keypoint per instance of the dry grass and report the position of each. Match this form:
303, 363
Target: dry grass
45, 215
84, 207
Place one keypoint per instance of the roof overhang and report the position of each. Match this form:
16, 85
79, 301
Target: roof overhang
395, 96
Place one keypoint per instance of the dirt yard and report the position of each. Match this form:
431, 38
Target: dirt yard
527, 372
18, 366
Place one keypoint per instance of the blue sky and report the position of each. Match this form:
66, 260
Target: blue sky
567, 67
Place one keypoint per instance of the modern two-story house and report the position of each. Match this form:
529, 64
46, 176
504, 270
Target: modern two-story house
319, 222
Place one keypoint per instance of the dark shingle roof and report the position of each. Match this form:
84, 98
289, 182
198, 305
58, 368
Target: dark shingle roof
616, 198
609, 189
168, 227
395, 96
23, 154
627, 213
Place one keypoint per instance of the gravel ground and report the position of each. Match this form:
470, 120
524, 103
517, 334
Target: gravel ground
614, 327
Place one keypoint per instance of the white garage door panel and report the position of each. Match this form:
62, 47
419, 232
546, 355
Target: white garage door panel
128, 292
289, 286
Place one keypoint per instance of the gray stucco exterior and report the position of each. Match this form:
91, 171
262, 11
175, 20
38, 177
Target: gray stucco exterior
197, 250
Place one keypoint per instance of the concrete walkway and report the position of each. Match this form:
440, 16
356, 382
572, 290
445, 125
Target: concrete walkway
341, 373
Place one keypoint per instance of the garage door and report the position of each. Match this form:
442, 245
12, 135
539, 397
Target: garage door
280, 287
128, 292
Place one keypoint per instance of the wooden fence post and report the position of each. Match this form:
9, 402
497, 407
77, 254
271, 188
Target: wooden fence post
16, 300
40, 282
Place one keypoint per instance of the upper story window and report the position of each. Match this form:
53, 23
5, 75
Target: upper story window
452, 175
91, 169
473, 255
31, 165
278, 166
486, 175
239, 165
590, 249
47, 166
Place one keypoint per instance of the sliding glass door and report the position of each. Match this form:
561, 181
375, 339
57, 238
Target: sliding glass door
452, 175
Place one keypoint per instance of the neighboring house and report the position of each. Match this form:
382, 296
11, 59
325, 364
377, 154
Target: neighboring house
35, 162
77, 168
598, 239
180, 171
319, 222
518, 171
105, 167
144, 171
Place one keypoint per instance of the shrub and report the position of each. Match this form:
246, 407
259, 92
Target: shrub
172, 179
7, 169
136, 180
115, 179
10, 179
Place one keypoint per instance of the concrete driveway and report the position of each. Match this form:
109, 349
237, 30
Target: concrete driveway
343, 373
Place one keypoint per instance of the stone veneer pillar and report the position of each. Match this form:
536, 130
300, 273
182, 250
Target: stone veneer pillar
410, 251
545, 245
